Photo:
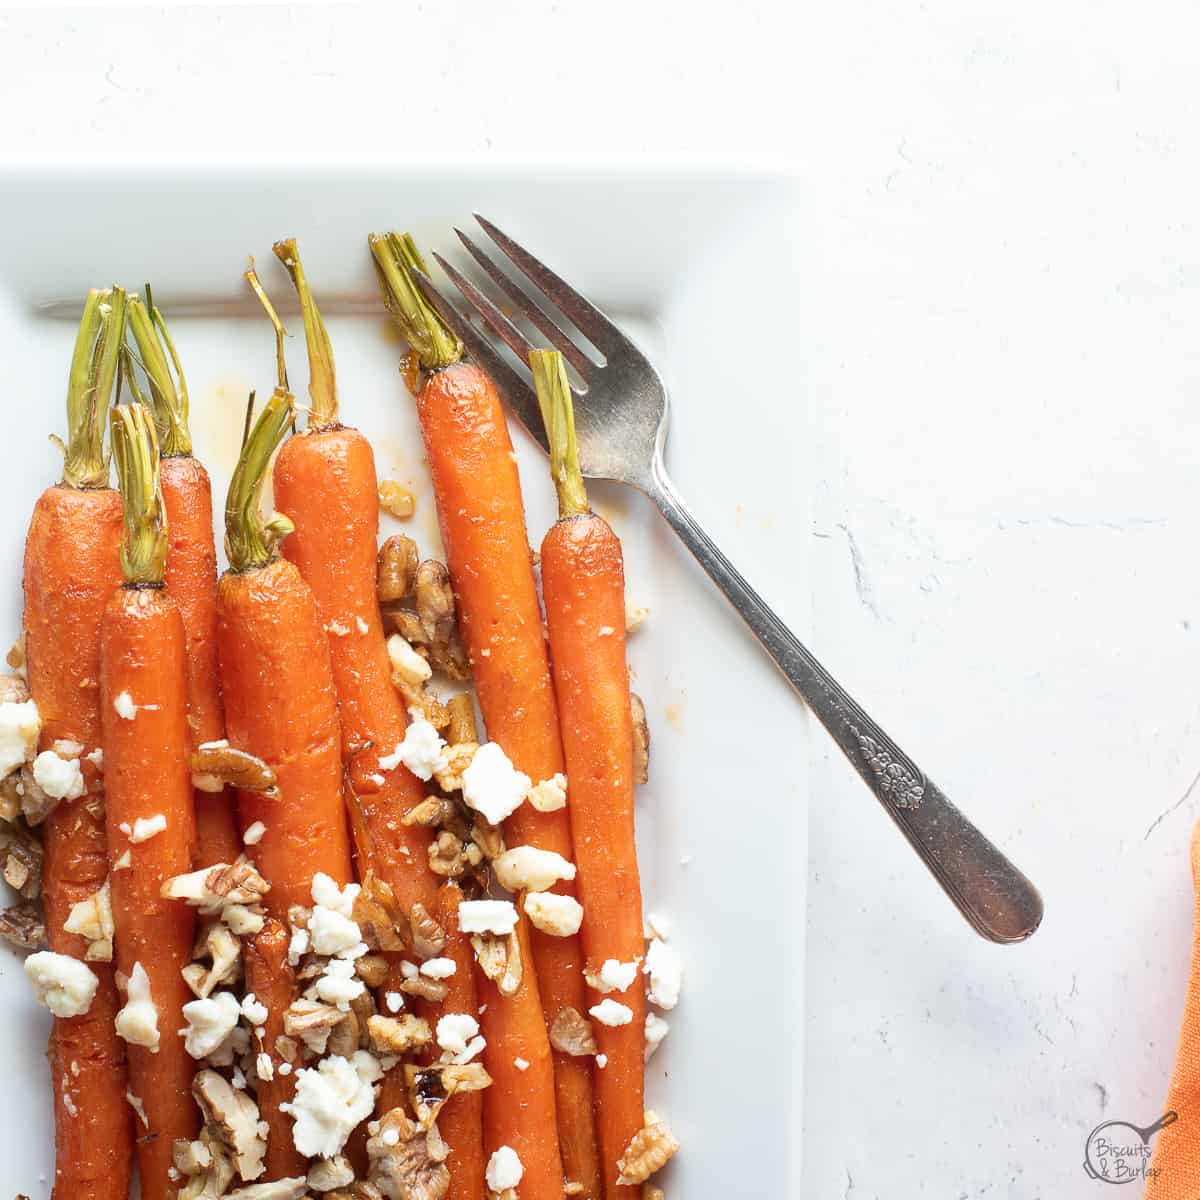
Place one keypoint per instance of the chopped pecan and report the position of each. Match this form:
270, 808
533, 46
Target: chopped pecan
92, 920
571, 1033
457, 758
432, 812
396, 568
396, 499
446, 855
224, 952
428, 989
21, 853
407, 1161
462, 727
343, 1037
649, 1149
488, 837
652, 1192
499, 958
235, 768
13, 689
428, 937
408, 625
430, 1087
641, 740
398, 1035
36, 805
435, 601
22, 926
211, 888
206, 1164
232, 1116
312, 1022
372, 969
15, 657
378, 915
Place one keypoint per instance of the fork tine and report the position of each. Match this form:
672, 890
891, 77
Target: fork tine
519, 395
496, 321
525, 303
598, 328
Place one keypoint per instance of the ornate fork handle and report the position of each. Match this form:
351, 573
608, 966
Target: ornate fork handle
995, 897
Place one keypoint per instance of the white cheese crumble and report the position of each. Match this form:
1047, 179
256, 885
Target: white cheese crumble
487, 916
521, 1064
124, 862
656, 1030
331, 1099
406, 662
438, 968
20, 725
327, 894
297, 946
137, 1022
264, 1067
504, 1170
393, 1001
423, 751
455, 1030
362, 625
550, 795
615, 976
96, 758
330, 933
62, 983
602, 1061
559, 916
254, 1010
209, 1023
492, 785
144, 828
526, 868
658, 926
338, 985
125, 706
611, 1013
254, 834
664, 968
59, 777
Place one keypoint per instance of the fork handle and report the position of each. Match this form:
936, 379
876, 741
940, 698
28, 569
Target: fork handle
995, 897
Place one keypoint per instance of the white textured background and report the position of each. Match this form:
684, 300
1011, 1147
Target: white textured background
999, 338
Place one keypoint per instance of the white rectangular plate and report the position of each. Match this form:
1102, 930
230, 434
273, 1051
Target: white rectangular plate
698, 263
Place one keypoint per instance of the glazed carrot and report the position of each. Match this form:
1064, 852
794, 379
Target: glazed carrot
482, 520
72, 567
143, 706
273, 983
325, 482
460, 1121
583, 583
279, 700
191, 567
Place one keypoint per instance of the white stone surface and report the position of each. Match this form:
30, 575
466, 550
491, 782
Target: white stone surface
1000, 345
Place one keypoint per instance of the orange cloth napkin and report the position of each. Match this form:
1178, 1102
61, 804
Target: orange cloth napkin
1175, 1166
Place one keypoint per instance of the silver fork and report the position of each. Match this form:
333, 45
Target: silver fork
621, 424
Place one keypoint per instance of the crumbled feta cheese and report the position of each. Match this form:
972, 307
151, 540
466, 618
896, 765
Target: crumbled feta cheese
63, 984
611, 1012
602, 1061
504, 1170
658, 926
124, 862
66, 748
635, 617
264, 1067
144, 828
487, 916
137, 1022
337, 629
438, 968
96, 758
20, 725
605, 631
393, 1001
209, 1023
241, 921
664, 968
559, 916
298, 946
377, 779
327, 894
125, 706
406, 662
362, 625
285, 1068
339, 985
521, 1064
254, 1010
331, 933
331, 1099
58, 777
550, 795
423, 751
254, 834
656, 1030
390, 1137
526, 868
409, 970
92, 920
492, 785
455, 1030
615, 976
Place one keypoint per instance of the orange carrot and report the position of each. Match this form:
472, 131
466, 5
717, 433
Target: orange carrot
143, 707
191, 567
279, 700
325, 482
72, 567
583, 583
273, 983
487, 551
460, 1121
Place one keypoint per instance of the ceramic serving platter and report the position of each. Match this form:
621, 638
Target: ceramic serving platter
697, 262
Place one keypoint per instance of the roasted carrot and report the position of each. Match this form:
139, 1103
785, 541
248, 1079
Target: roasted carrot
191, 567
148, 795
325, 482
460, 1121
278, 684
583, 584
72, 567
273, 983
480, 510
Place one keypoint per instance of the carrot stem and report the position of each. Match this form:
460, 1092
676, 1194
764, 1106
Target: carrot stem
396, 260
168, 392
322, 377
558, 415
251, 277
135, 448
93, 369
250, 537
